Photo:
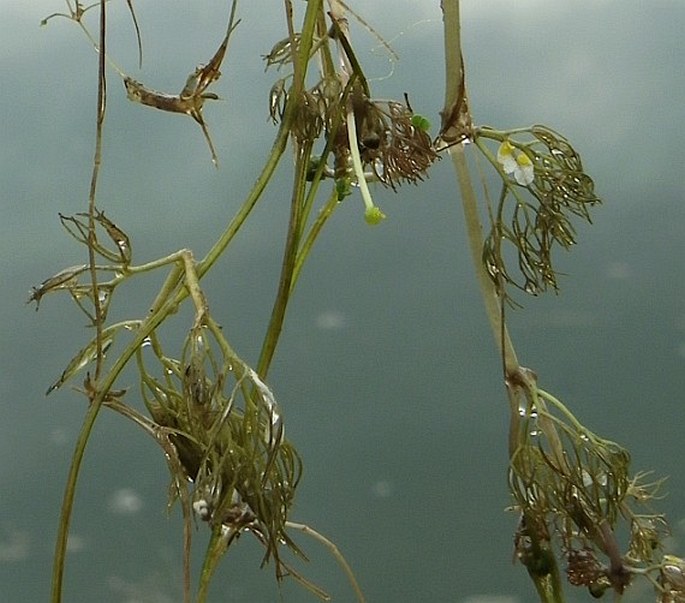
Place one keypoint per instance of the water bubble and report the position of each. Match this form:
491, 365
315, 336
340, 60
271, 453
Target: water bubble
382, 489
619, 270
600, 480
526, 410
491, 266
76, 543
15, 545
330, 320
125, 501
673, 571
490, 599
58, 436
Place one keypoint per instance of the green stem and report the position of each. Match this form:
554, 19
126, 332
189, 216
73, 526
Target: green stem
215, 550
84, 435
474, 231
59, 560
239, 218
169, 300
305, 529
291, 110
289, 258
301, 61
306, 247
548, 586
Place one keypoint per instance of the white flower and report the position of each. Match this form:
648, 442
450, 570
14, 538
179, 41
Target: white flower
505, 157
516, 163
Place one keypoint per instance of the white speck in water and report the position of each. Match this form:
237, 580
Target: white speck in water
599, 480
15, 544
525, 410
489, 599
382, 489
125, 501
151, 588
58, 436
619, 270
330, 320
76, 543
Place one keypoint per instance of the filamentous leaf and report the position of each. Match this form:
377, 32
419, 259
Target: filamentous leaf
534, 214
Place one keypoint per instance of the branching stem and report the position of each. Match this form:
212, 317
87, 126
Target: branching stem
523, 380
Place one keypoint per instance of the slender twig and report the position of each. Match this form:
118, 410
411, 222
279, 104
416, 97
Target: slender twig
94, 409
325, 213
288, 264
474, 231
277, 148
520, 381
335, 551
97, 158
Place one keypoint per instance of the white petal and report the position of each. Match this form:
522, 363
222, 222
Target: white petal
524, 175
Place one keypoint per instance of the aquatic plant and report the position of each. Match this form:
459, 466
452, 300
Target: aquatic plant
214, 416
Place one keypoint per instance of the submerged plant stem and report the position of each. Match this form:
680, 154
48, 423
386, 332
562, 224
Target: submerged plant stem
335, 551
474, 231
289, 259
96, 404
549, 586
215, 550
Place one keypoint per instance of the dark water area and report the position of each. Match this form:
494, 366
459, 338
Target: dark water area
387, 375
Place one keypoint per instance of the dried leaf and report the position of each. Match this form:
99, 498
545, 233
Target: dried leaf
65, 279
135, 25
85, 356
191, 99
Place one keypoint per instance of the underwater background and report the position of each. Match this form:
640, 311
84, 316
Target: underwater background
387, 376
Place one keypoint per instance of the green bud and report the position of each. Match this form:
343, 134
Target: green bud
420, 122
343, 188
373, 215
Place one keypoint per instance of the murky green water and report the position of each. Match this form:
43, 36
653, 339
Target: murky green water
387, 376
